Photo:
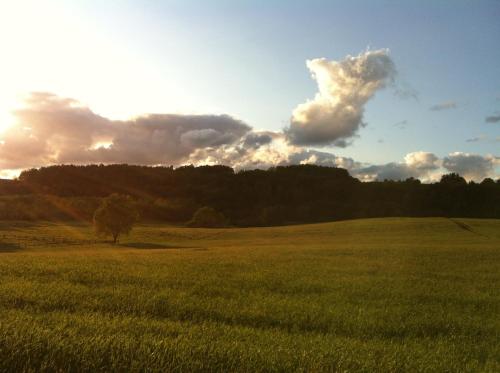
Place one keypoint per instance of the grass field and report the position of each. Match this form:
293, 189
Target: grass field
365, 295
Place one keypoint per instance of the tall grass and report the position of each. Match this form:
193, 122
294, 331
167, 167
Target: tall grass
367, 295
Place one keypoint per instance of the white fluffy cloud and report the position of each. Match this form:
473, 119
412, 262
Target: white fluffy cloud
425, 166
336, 112
422, 161
420, 165
428, 167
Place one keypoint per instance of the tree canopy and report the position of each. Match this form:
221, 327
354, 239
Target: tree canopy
115, 216
279, 195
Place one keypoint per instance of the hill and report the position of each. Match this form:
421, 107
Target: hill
401, 294
277, 196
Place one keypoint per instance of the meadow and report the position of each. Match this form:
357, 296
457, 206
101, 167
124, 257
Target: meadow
386, 295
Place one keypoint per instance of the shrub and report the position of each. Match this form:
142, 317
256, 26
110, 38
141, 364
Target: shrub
207, 217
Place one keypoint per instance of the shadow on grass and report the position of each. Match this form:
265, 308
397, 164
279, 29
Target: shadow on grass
466, 227
8, 247
155, 246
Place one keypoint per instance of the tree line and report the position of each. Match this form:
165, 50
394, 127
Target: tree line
279, 195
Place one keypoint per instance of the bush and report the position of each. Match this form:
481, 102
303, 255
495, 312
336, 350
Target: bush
207, 217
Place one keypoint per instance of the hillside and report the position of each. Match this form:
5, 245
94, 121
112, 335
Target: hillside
398, 294
277, 196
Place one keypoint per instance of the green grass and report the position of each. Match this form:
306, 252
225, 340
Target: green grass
366, 295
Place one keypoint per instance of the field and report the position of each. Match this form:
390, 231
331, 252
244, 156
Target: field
364, 295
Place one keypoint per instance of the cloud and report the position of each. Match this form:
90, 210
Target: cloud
428, 167
319, 158
422, 165
246, 154
406, 93
477, 138
444, 106
401, 124
417, 164
471, 166
422, 161
257, 139
492, 119
336, 112
389, 171
9, 174
276, 153
53, 130
483, 138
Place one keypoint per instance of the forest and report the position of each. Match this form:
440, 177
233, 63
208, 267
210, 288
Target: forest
279, 195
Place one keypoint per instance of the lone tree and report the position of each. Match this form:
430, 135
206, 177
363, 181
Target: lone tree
116, 215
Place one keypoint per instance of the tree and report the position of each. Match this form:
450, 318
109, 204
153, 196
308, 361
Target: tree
273, 215
207, 217
116, 215
412, 181
488, 181
452, 179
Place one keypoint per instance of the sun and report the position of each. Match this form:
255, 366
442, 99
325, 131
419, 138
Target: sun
7, 120
9, 102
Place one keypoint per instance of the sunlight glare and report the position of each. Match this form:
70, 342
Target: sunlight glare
7, 120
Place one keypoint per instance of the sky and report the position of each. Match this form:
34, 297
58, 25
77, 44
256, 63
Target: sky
386, 89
